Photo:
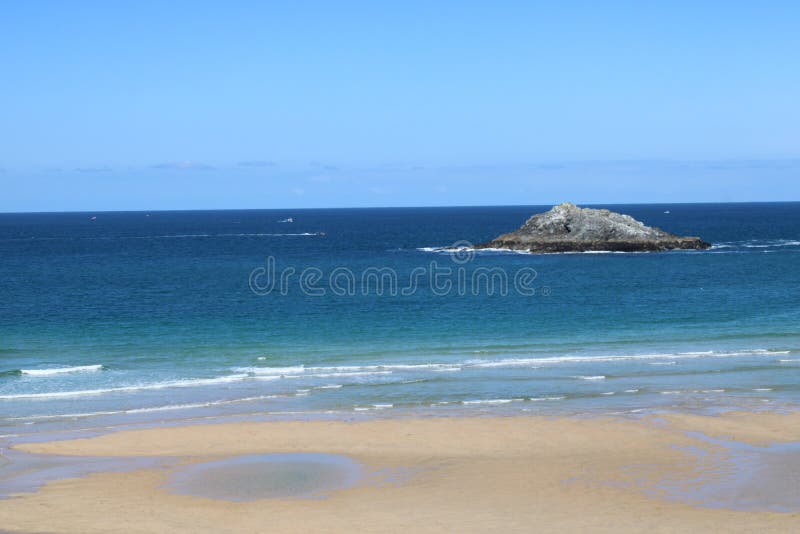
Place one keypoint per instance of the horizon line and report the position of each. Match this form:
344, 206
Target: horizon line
42, 212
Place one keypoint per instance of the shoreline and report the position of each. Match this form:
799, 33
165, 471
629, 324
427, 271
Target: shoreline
643, 376
661, 472
79, 428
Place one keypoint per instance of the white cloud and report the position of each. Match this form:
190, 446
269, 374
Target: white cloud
183, 166
257, 163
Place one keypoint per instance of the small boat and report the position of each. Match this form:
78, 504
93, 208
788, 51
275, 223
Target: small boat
93, 218
666, 211
289, 220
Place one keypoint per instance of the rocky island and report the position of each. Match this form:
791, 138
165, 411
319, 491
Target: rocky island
568, 228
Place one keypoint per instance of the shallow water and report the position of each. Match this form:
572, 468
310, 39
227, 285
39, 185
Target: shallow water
22, 472
744, 477
267, 476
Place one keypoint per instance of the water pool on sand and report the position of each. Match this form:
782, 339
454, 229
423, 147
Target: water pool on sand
267, 476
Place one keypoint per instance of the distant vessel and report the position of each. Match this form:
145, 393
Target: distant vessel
93, 218
289, 220
666, 211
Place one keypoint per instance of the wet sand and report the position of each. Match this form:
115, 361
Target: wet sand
507, 474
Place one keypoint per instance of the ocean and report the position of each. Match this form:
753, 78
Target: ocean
134, 317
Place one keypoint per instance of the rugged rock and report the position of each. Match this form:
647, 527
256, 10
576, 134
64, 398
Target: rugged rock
568, 228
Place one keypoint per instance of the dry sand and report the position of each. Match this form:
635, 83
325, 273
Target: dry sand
493, 474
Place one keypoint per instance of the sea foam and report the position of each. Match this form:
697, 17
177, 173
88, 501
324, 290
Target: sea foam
61, 370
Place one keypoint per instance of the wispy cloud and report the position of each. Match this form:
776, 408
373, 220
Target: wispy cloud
324, 166
756, 164
90, 170
182, 166
257, 163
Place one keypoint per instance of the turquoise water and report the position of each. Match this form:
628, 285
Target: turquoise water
122, 317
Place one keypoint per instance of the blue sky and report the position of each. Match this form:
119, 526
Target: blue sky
181, 105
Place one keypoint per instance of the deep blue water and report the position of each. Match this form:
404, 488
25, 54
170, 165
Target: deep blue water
159, 310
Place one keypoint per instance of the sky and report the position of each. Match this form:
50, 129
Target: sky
207, 105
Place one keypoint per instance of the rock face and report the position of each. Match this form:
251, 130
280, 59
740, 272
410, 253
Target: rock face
568, 228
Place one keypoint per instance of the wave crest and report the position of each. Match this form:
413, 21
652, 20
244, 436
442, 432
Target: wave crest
62, 370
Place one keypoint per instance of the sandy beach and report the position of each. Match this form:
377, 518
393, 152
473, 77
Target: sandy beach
469, 474
399, 267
